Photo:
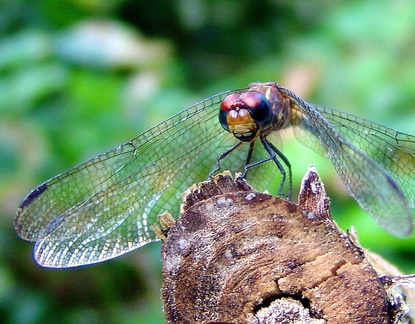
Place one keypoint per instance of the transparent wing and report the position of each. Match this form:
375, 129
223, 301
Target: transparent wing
106, 206
376, 163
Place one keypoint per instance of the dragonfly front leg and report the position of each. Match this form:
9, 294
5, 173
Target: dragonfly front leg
222, 156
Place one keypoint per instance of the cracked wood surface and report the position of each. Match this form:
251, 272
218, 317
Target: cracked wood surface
239, 256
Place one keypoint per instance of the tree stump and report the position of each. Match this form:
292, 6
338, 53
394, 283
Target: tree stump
239, 256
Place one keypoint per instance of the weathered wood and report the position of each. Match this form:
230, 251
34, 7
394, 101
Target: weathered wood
240, 256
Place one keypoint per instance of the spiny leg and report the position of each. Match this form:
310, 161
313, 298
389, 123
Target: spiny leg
223, 155
274, 154
273, 151
248, 158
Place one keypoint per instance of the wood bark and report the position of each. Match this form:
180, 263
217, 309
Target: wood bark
240, 256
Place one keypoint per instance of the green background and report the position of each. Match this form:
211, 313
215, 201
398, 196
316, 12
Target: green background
80, 77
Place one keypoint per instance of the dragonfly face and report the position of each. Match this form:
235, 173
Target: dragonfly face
106, 206
243, 114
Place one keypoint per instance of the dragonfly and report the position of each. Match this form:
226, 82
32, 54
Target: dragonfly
105, 207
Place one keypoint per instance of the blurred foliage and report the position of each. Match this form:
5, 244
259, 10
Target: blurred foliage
79, 77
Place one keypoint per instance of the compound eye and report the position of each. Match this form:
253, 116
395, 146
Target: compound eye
227, 104
258, 106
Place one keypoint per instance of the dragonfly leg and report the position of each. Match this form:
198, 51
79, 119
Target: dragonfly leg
248, 159
222, 156
275, 154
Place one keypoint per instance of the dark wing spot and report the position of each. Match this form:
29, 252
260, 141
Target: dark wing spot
33, 195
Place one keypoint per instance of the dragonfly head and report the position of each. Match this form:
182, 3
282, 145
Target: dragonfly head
243, 114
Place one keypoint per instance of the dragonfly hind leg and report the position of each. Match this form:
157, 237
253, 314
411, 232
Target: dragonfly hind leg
275, 154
